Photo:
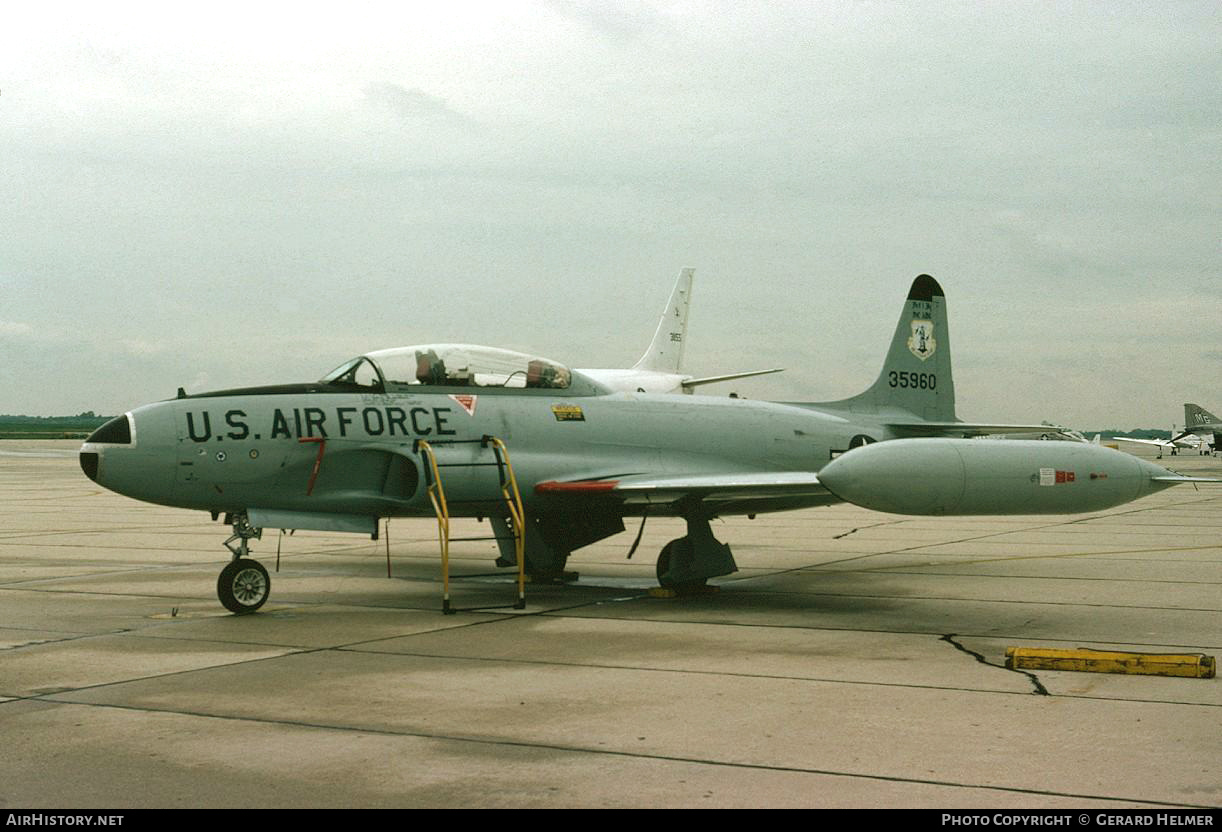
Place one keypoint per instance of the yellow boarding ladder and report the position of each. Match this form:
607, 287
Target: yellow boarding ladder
509, 493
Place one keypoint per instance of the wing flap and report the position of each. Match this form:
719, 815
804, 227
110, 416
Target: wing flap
717, 488
963, 429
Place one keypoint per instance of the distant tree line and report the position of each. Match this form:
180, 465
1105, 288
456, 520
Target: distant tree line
86, 418
50, 427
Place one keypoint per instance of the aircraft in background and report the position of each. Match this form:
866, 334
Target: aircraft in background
371, 439
1202, 423
1048, 431
660, 368
1200, 430
1173, 446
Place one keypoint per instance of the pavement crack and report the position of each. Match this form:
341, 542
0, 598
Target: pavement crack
1039, 689
871, 526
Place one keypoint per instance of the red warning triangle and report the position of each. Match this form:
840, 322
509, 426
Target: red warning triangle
466, 402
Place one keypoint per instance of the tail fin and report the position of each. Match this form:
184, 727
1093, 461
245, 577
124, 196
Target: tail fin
665, 353
916, 375
1195, 415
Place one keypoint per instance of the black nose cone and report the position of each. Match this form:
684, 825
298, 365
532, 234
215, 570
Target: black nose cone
89, 464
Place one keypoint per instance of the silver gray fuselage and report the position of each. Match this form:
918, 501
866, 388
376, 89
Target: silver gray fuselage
229, 453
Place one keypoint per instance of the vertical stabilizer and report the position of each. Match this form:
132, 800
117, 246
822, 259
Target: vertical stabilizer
665, 353
916, 375
1195, 416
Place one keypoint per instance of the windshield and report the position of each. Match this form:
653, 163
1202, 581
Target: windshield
359, 373
449, 365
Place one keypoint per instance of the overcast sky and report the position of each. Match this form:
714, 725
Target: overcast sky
244, 193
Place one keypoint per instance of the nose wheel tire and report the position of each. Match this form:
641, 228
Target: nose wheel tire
243, 586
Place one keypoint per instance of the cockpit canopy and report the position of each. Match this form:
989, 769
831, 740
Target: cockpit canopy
448, 365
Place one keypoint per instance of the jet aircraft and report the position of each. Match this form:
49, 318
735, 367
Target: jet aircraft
659, 370
1199, 421
1174, 446
370, 439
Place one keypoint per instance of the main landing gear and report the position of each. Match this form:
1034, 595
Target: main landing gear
243, 585
686, 563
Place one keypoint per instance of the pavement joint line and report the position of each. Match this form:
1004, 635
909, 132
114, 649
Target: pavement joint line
501, 618
637, 755
141, 529
285, 651
715, 673
65, 639
24, 583
903, 571
1040, 690
1003, 533
1050, 556
594, 604
813, 595
66, 591
45, 697
994, 636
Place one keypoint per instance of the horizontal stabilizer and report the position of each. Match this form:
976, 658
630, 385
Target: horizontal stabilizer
688, 384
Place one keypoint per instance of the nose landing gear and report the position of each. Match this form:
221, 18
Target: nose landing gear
243, 585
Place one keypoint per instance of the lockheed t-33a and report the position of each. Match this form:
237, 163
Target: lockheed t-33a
371, 439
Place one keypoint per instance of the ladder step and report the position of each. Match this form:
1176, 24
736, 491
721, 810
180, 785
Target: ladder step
486, 506
482, 441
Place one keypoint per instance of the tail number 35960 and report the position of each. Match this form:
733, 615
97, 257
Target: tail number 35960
917, 381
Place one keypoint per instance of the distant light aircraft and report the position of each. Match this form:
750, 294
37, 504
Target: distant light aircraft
660, 368
370, 440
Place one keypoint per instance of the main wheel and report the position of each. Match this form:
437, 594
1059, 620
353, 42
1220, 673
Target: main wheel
243, 586
679, 547
664, 565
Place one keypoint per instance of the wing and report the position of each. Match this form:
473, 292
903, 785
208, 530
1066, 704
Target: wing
741, 492
964, 429
1158, 443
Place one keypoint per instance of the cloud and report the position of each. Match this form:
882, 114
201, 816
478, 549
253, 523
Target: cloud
620, 21
15, 328
414, 105
138, 346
